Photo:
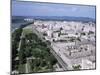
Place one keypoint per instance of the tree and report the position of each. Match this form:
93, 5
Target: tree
53, 40
59, 34
77, 67
28, 52
90, 32
22, 56
15, 41
48, 42
44, 34
83, 33
76, 33
78, 39
72, 39
61, 28
52, 59
16, 35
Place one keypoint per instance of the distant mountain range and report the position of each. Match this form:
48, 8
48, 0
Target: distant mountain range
54, 18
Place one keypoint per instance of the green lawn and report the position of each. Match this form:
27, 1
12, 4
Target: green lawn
21, 68
28, 29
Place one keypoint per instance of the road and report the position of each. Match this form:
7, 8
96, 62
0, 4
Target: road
20, 41
26, 68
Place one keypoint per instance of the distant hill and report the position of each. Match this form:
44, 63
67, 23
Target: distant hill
58, 18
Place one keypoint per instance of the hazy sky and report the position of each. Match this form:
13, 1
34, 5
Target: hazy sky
48, 9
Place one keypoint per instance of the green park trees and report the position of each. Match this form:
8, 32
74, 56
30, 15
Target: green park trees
15, 41
32, 46
33, 51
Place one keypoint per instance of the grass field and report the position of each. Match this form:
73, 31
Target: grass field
27, 30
